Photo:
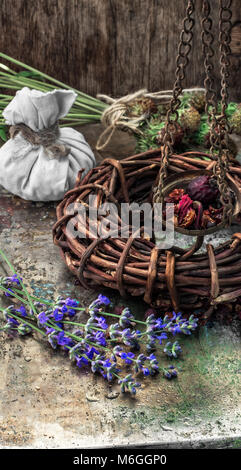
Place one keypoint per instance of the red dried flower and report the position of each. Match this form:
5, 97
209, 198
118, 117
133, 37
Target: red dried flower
216, 214
175, 196
183, 207
207, 220
203, 189
189, 218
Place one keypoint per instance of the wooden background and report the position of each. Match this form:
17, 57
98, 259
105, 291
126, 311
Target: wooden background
109, 46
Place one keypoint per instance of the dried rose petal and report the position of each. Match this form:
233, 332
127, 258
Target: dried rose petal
207, 220
175, 195
216, 214
188, 219
183, 207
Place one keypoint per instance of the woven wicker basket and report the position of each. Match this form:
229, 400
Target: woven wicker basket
175, 279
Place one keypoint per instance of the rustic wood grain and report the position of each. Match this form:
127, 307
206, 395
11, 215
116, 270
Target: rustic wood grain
109, 46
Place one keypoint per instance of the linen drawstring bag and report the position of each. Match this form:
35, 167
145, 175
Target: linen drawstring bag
40, 161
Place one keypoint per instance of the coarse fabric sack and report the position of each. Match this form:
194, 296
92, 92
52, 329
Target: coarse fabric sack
31, 171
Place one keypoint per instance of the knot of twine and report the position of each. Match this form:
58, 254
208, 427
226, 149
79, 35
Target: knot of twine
116, 116
46, 137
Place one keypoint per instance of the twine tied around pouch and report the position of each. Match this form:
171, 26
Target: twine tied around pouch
116, 114
47, 137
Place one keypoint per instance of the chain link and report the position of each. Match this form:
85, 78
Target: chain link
219, 127
208, 52
182, 61
221, 169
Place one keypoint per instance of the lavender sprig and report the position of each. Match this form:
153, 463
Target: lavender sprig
94, 343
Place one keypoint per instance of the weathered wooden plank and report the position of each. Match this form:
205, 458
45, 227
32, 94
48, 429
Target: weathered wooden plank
109, 46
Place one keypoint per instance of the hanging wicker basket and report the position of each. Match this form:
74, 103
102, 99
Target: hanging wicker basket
174, 279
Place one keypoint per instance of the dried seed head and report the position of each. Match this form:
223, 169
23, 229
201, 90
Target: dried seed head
190, 119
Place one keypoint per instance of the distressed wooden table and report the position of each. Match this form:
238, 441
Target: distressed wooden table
45, 402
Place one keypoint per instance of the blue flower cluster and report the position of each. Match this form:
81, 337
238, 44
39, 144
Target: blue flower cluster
13, 325
128, 383
10, 281
172, 349
64, 307
170, 372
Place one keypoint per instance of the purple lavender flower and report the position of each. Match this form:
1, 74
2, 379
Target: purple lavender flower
53, 340
117, 350
101, 322
172, 350
151, 320
14, 279
63, 340
24, 329
103, 300
126, 318
128, 357
151, 343
181, 325
58, 316
99, 338
154, 367
139, 362
128, 384
114, 331
91, 352
71, 302
175, 329
108, 369
96, 363
170, 372
42, 318
12, 321
71, 312
159, 325
9, 293
66, 306
90, 325
64, 309
161, 337
130, 338
49, 330
82, 361
145, 371
22, 310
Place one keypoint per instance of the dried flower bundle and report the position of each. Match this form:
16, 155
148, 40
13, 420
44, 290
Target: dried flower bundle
197, 206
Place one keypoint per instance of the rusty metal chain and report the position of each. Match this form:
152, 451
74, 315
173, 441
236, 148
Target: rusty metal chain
219, 127
182, 61
208, 52
222, 167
